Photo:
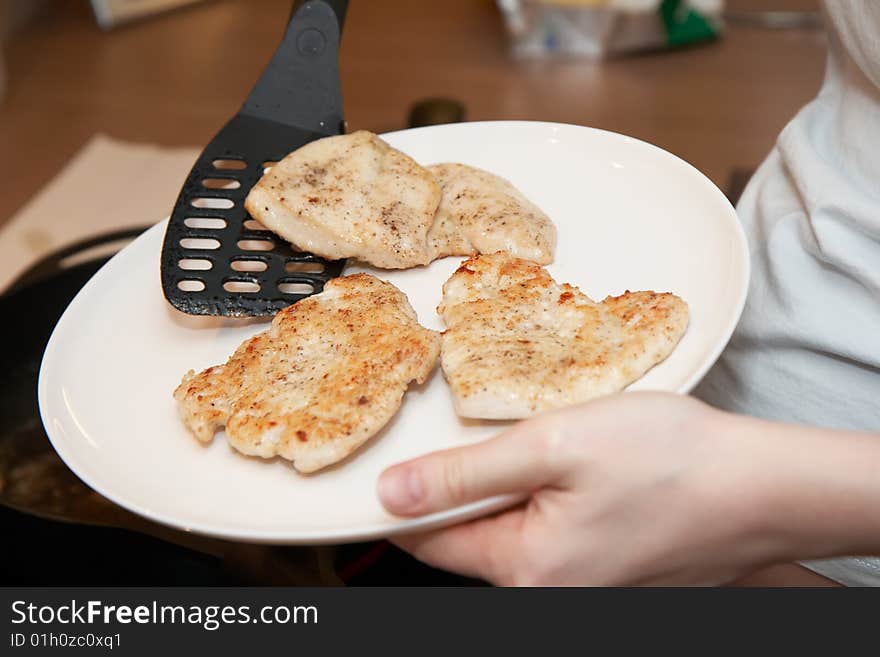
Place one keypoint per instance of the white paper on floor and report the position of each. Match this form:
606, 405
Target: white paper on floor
107, 186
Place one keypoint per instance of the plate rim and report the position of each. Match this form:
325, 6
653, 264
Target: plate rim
406, 525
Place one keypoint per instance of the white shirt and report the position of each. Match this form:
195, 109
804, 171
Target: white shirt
807, 348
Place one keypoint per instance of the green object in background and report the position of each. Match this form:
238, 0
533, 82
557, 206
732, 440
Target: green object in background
684, 24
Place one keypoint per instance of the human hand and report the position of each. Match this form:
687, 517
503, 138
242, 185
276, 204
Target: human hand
632, 489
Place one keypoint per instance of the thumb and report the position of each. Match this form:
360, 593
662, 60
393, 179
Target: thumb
515, 461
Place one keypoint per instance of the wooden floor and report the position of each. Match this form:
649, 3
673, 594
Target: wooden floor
176, 78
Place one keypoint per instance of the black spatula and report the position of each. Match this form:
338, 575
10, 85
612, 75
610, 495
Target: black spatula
216, 260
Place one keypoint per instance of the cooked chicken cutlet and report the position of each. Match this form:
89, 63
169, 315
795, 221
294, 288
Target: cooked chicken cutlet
518, 343
350, 196
483, 213
327, 375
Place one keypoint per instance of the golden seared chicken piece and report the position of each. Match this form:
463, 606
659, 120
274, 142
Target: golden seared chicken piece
350, 196
518, 343
327, 375
483, 213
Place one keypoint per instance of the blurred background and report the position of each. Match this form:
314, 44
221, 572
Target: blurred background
174, 78
104, 106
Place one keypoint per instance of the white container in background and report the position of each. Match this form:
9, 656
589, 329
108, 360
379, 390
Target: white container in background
597, 28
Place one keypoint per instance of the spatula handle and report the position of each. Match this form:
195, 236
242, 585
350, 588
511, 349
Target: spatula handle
300, 86
338, 6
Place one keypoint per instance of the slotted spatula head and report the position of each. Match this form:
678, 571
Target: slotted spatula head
216, 260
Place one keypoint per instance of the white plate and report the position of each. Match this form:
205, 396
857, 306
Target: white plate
629, 216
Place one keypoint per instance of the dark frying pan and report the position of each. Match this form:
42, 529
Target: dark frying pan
43, 504
38, 491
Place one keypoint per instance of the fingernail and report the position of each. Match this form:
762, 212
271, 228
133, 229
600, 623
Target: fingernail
401, 489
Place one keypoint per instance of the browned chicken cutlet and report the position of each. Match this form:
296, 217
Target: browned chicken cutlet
480, 212
327, 375
350, 196
518, 343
